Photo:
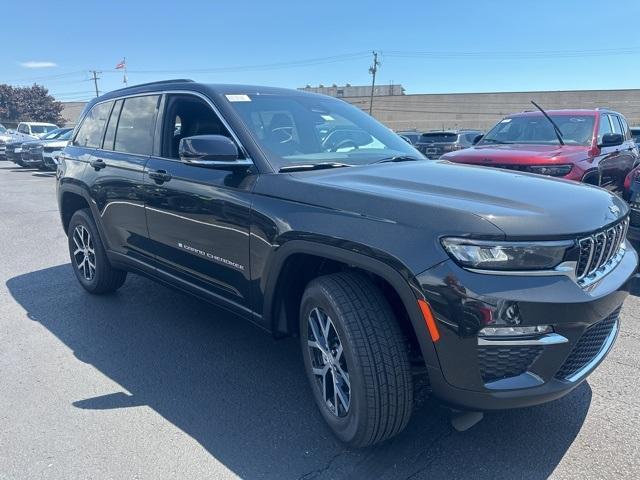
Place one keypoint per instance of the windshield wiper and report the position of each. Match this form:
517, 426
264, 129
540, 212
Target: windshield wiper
493, 140
312, 166
399, 158
555, 126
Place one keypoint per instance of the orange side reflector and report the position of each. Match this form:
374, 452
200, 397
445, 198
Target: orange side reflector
429, 320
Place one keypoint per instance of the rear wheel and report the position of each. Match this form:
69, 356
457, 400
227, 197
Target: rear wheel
356, 359
88, 257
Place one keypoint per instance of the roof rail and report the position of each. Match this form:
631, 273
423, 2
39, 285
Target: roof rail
158, 82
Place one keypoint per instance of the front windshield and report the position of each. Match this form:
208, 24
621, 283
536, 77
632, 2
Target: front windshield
42, 128
66, 135
536, 129
53, 134
305, 129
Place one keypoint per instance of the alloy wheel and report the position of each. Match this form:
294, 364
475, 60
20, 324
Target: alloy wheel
84, 254
328, 363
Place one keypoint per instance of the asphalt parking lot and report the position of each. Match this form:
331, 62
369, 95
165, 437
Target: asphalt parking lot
150, 383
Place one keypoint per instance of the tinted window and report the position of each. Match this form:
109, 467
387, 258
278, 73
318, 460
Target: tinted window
439, 137
110, 134
137, 121
186, 116
90, 133
615, 121
605, 127
625, 128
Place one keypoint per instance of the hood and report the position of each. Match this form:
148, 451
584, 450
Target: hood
518, 154
445, 197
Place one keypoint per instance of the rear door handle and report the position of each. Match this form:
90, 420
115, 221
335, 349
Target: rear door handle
160, 176
97, 163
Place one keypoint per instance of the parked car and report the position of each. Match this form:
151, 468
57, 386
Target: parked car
592, 146
435, 144
33, 151
635, 134
5, 137
411, 136
32, 130
13, 151
505, 289
53, 148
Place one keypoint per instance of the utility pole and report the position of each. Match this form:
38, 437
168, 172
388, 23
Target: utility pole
95, 80
373, 69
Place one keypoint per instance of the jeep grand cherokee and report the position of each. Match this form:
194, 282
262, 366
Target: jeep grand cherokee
591, 146
307, 217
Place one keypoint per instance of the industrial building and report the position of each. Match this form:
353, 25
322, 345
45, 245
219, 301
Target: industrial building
349, 90
457, 110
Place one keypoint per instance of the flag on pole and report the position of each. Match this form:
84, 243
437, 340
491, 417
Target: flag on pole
121, 65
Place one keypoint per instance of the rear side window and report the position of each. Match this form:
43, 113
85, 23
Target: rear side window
110, 135
134, 133
90, 132
625, 128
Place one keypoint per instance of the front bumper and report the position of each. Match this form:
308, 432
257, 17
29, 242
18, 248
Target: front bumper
471, 372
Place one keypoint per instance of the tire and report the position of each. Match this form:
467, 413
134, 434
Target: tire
373, 371
85, 243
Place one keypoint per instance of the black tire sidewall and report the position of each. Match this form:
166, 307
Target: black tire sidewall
346, 428
81, 217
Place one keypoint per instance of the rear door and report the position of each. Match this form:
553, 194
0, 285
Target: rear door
198, 217
116, 171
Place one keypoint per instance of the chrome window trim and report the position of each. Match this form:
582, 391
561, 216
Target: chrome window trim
206, 99
549, 339
601, 354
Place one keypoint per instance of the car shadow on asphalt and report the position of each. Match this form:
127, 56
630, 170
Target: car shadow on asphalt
244, 396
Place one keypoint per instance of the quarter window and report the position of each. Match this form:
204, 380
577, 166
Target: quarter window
134, 133
90, 132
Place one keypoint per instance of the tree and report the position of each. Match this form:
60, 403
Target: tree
29, 104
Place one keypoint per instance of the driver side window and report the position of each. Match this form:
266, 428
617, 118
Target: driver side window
604, 128
187, 116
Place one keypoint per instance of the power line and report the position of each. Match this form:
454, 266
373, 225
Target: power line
531, 54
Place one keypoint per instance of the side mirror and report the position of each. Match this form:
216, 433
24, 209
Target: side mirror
213, 151
611, 140
477, 138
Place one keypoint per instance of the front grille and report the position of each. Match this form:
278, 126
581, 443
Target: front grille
497, 363
589, 346
634, 217
597, 250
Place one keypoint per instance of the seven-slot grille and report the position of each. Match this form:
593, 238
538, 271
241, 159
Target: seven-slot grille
600, 248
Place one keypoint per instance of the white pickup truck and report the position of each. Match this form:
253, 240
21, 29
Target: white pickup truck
32, 131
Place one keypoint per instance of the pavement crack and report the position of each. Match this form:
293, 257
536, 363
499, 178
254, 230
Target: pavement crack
319, 471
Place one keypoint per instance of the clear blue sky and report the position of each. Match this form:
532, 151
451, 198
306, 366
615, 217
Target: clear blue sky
428, 46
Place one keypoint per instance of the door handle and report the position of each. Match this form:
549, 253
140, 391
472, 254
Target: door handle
97, 164
160, 176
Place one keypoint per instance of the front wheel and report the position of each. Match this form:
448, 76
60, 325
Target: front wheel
356, 358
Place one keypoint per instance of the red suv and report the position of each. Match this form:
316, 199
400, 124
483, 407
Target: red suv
591, 146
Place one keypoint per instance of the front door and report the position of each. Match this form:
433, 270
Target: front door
198, 217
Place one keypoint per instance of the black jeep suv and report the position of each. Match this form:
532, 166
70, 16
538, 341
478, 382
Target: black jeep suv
307, 217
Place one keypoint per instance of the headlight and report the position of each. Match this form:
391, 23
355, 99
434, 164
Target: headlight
510, 256
551, 170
